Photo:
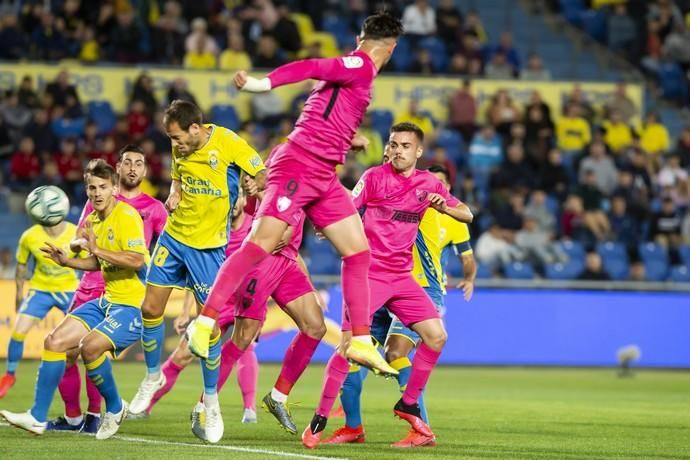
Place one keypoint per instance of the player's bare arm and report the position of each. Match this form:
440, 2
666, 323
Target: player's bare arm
124, 259
469, 269
175, 196
60, 257
359, 142
19, 279
461, 212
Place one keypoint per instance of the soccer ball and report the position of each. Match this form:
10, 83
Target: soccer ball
47, 205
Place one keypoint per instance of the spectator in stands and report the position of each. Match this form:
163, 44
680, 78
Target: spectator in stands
654, 137
621, 30
666, 15
60, 89
199, 57
26, 95
40, 131
494, 250
6, 145
143, 91
50, 175
137, 121
15, 116
439, 156
594, 270
71, 23
373, 154
538, 135
683, 147
24, 166
267, 108
7, 265
573, 219
578, 98
536, 100
419, 20
572, 132
621, 102
537, 244
625, 228
672, 174
105, 24
154, 162
637, 272
499, 67
462, 111
535, 70
157, 133
470, 49
69, 165
515, 172
502, 112
619, 135
485, 154
413, 115
235, 57
90, 50
510, 216
537, 209
473, 26
178, 90
350, 172
13, 39
126, 37
168, 34
422, 63
605, 172
593, 203
677, 46
199, 40
448, 22
276, 22
505, 46
267, 56
665, 224
47, 40
554, 177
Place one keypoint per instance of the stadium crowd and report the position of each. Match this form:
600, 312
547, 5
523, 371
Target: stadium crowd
533, 177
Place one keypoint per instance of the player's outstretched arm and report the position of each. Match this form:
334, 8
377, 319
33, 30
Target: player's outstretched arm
175, 195
469, 269
123, 259
460, 211
60, 257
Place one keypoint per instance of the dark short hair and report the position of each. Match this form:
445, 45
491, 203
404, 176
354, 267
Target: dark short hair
129, 148
101, 169
440, 169
407, 127
380, 26
184, 113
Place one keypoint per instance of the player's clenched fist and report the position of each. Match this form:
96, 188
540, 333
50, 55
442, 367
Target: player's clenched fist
172, 202
240, 79
438, 202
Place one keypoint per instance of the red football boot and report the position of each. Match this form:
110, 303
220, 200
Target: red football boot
411, 414
415, 439
345, 434
6, 382
312, 433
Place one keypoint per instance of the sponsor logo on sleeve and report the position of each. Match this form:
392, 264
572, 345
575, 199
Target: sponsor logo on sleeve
353, 62
358, 189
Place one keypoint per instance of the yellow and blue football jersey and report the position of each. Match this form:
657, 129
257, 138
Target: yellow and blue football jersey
210, 180
426, 253
122, 230
48, 276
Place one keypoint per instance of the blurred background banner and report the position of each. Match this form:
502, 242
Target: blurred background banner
114, 84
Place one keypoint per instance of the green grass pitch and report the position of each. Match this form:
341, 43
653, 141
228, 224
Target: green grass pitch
509, 413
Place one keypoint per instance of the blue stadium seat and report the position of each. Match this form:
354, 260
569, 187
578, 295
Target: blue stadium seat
560, 271
519, 271
402, 58
673, 82
63, 127
324, 263
571, 10
102, 113
484, 271
338, 27
612, 249
382, 120
680, 274
453, 143
574, 249
225, 115
618, 268
439, 54
454, 267
651, 251
594, 24
685, 254
656, 269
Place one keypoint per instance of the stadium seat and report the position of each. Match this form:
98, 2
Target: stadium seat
684, 252
656, 269
382, 121
102, 113
673, 82
484, 271
452, 142
63, 127
617, 268
439, 54
329, 46
225, 115
574, 249
403, 56
316, 246
454, 267
519, 271
594, 24
651, 251
324, 264
680, 274
304, 24
562, 271
339, 28
612, 249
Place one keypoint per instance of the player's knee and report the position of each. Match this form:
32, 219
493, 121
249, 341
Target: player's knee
90, 350
394, 354
182, 356
54, 343
437, 339
316, 329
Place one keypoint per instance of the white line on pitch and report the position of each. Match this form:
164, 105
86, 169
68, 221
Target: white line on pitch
220, 446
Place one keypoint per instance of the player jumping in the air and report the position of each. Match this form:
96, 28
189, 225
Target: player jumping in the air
392, 199
438, 234
115, 241
303, 177
131, 170
206, 164
51, 286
